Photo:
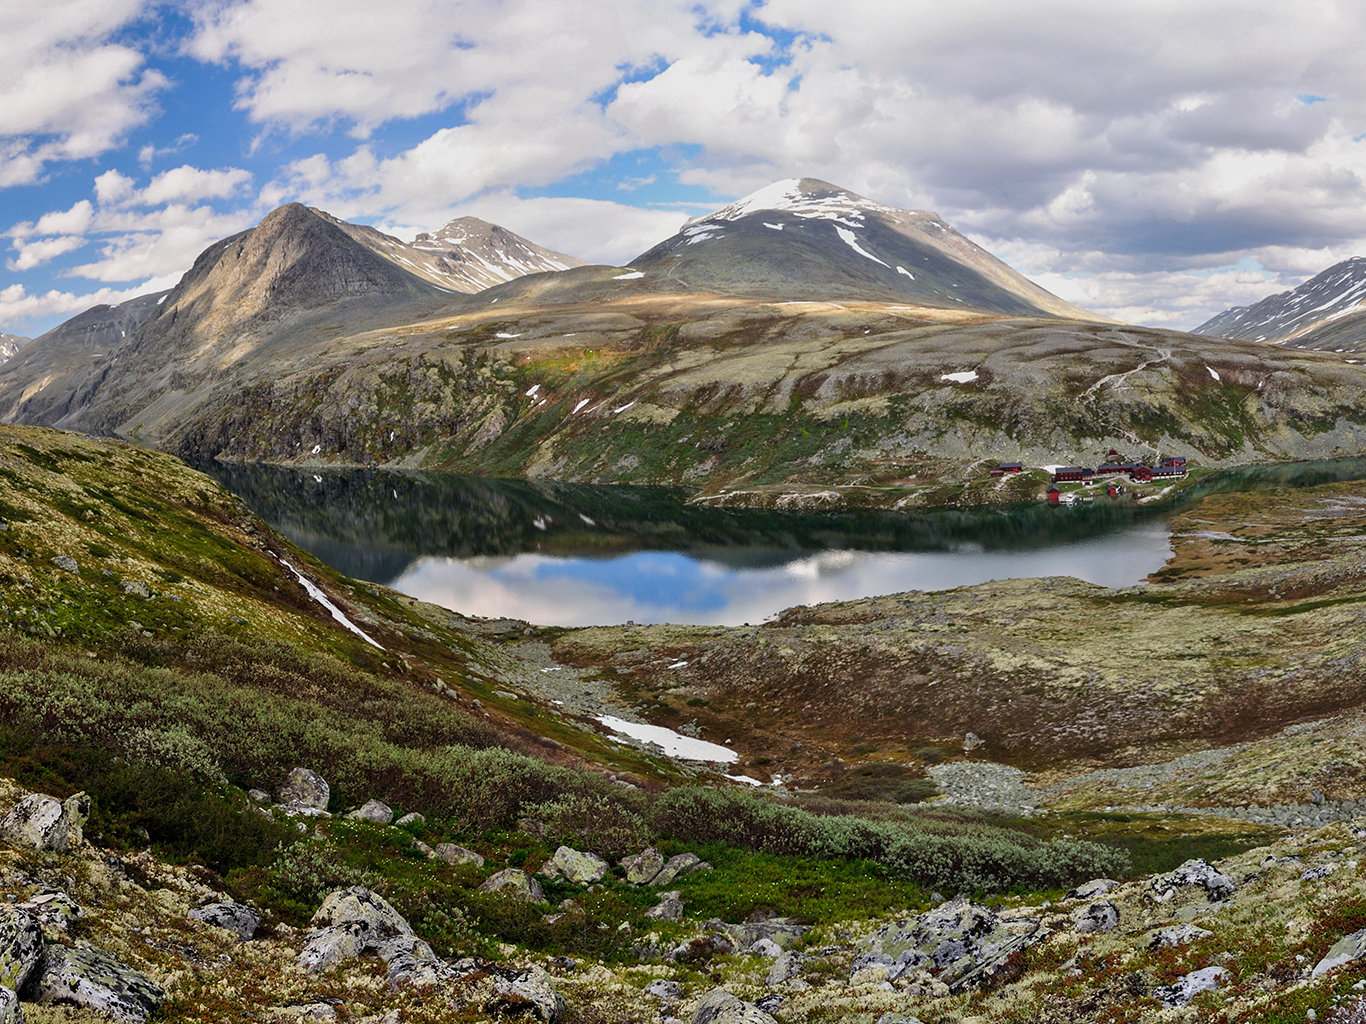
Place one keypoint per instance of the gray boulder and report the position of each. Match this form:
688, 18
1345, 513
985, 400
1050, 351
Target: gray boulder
55, 912
516, 884
10, 1011
1095, 917
411, 818
683, 864
305, 790
1176, 935
237, 918
373, 810
666, 991
766, 947
1346, 950
412, 963
669, 908
899, 1018
350, 923
136, 588
45, 823
781, 931
67, 563
92, 979
453, 854
1217, 885
525, 992
575, 866
259, 796
1187, 988
785, 968
1090, 890
642, 868
720, 1007
21, 947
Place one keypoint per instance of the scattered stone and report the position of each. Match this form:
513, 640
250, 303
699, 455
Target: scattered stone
350, 923
641, 868
1093, 888
683, 864
21, 947
424, 849
1217, 885
667, 991
10, 1012
768, 948
411, 818
136, 588
301, 1012
54, 911
237, 918
453, 854
780, 930
1346, 950
521, 992
515, 883
1314, 874
46, 823
259, 796
669, 908
91, 978
787, 966
67, 563
577, 867
304, 789
720, 1007
373, 810
972, 741
1097, 917
1177, 935
412, 963
1187, 988
770, 1003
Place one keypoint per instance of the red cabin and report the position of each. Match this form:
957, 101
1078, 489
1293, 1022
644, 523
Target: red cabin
1054, 495
1141, 473
1174, 460
1012, 467
1072, 474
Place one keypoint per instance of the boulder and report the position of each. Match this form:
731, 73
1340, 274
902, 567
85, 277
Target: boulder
1217, 885
1176, 935
683, 864
237, 918
781, 931
54, 911
45, 823
720, 1007
10, 1012
516, 884
669, 908
301, 1012
373, 810
21, 947
453, 854
785, 968
412, 963
1187, 988
1346, 950
1090, 890
67, 563
92, 979
411, 818
1095, 917
766, 947
259, 796
641, 868
525, 992
578, 867
665, 991
136, 588
350, 923
305, 790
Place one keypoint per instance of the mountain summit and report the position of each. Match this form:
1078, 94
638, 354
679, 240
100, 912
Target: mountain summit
803, 238
1327, 311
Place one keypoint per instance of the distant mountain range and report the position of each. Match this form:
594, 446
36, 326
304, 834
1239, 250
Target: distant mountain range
10, 345
1326, 312
801, 337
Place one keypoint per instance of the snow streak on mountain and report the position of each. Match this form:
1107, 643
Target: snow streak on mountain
1296, 316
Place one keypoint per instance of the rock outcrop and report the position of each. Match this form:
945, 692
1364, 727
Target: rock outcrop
91, 978
45, 823
516, 884
721, 1007
305, 791
575, 866
237, 918
21, 948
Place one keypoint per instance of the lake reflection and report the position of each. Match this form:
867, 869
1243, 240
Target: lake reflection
657, 586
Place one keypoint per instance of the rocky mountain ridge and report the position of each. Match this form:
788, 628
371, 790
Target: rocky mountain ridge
1326, 312
10, 344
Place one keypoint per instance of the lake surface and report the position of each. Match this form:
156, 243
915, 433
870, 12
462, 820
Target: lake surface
572, 555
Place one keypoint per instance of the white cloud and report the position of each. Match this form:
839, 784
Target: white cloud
66, 90
18, 307
36, 253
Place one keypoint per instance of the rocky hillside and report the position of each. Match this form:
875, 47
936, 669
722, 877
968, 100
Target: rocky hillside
1326, 312
10, 344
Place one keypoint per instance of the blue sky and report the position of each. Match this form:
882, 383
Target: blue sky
1154, 161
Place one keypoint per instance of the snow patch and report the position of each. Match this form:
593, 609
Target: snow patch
317, 595
501, 335
745, 779
775, 227
902, 270
1213, 372
963, 377
163, 298
622, 408
674, 744
851, 240
581, 405
633, 275
532, 392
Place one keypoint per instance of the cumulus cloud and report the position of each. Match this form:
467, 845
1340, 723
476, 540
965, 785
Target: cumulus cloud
67, 90
18, 307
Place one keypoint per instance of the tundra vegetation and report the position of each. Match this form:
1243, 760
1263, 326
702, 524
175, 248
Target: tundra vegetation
160, 656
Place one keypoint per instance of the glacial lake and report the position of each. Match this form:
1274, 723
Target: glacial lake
578, 554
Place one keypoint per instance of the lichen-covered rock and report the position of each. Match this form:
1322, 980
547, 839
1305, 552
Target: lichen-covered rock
21, 947
373, 810
1095, 917
259, 796
683, 864
578, 867
787, 966
1090, 890
669, 908
664, 990
350, 923
453, 854
411, 818
522, 992
305, 790
1217, 885
642, 868
91, 978
1176, 935
1187, 988
1346, 950
237, 918
720, 1007
412, 963
10, 1011
779, 930
67, 563
54, 911
45, 823
515, 883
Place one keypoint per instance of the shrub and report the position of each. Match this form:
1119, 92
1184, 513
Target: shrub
592, 821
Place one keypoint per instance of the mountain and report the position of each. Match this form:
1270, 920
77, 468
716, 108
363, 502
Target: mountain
1328, 311
10, 344
808, 239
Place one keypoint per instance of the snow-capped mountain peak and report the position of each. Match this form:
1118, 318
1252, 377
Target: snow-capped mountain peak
801, 197
1335, 293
